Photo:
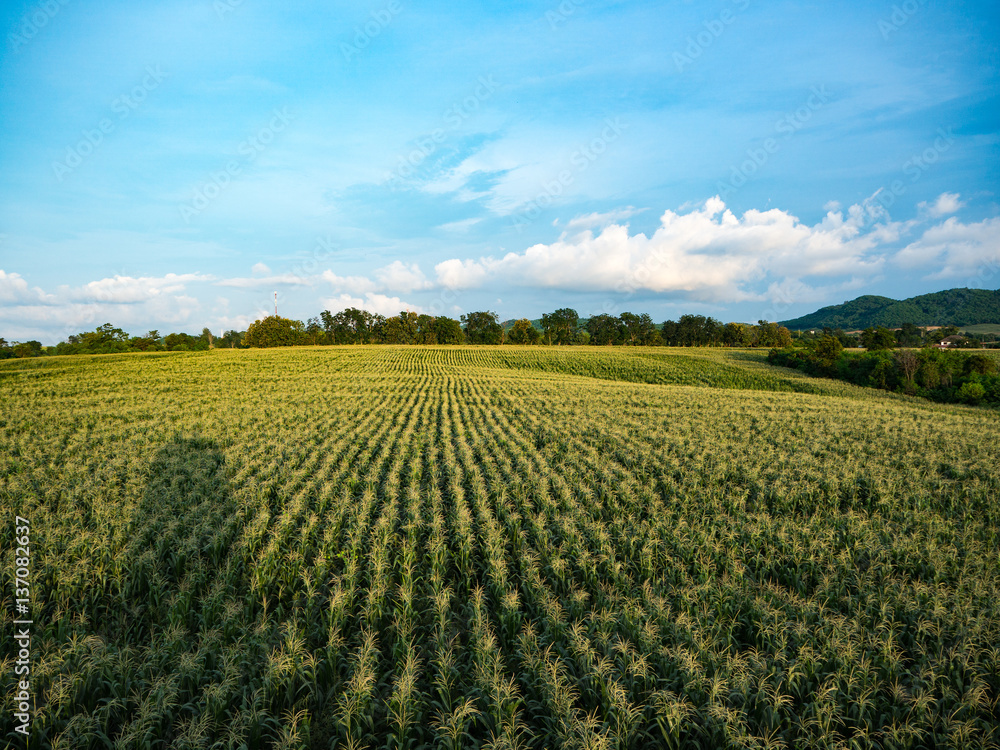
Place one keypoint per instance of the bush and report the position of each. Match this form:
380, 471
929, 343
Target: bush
945, 376
971, 392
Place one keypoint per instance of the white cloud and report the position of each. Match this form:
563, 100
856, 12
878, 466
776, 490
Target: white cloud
463, 274
126, 301
14, 289
352, 284
372, 302
709, 253
946, 203
955, 249
399, 277
128, 290
260, 269
395, 277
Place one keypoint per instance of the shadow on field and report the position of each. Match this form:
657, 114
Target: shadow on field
181, 533
173, 586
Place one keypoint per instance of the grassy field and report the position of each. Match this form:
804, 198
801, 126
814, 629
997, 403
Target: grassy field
431, 547
982, 328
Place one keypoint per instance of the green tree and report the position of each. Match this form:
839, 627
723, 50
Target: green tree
737, 334
184, 342
981, 364
483, 328
604, 330
971, 392
668, 331
910, 335
274, 331
231, 339
827, 351
28, 349
351, 326
908, 363
638, 330
771, 335
448, 330
560, 326
105, 339
523, 332
148, 343
401, 329
878, 339
426, 329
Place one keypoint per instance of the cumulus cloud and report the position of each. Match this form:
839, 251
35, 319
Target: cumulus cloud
946, 203
953, 250
350, 284
708, 252
260, 269
125, 300
463, 274
400, 277
14, 289
130, 290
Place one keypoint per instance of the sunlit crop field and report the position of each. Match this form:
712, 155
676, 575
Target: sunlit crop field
432, 547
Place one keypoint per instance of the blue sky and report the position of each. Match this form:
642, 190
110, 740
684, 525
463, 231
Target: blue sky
172, 164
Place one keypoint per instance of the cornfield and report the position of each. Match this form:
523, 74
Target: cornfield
429, 547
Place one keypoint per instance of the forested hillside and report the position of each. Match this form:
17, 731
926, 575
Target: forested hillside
958, 307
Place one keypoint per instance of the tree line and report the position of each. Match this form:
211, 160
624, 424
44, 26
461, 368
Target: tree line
562, 327
107, 339
908, 335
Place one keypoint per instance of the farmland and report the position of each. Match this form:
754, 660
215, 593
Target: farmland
409, 547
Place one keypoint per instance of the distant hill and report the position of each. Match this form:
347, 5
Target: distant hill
960, 307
